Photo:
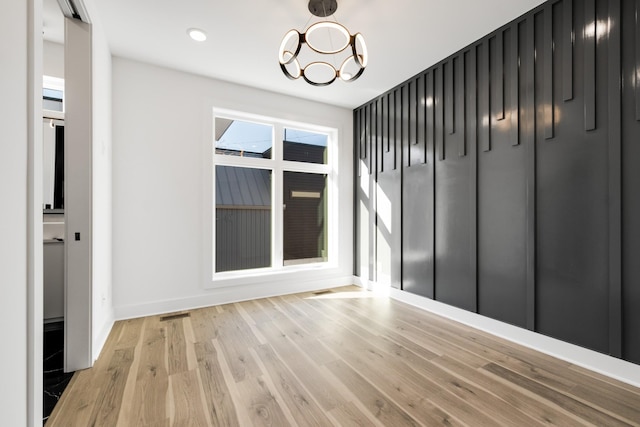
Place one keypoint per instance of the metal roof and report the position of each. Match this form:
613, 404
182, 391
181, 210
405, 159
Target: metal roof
237, 186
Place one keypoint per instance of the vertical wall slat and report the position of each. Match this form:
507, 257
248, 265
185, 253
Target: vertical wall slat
528, 56
404, 126
471, 104
515, 85
384, 129
391, 120
406, 117
357, 129
498, 73
637, 73
421, 119
484, 97
615, 181
439, 124
366, 123
567, 50
589, 65
470, 77
393, 132
449, 100
397, 96
460, 70
369, 127
357, 161
383, 137
378, 136
413, 114
377, 119
549, 118
373, 154
431, 115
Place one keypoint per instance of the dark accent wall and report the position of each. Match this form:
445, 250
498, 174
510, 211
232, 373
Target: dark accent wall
509, 175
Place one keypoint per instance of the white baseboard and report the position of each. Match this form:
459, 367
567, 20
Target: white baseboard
228, 295
101, 338
610, 366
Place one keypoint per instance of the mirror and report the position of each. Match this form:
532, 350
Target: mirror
52, 165
52, 144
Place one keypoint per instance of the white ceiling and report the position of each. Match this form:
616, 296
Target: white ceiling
403, 37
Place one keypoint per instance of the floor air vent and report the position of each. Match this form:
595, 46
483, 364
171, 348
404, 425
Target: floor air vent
174, 316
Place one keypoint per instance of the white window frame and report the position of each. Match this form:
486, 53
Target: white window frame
278, 166
55, 83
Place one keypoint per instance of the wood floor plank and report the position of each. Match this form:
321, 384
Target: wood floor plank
187, 402
177, 349
418, 395
433, 343
485, 339
131, 333
349, 415
301, 404
130, 385
260, 403
107, 409
512, 394
338, 357
222, 411
423, 332
77, 402
152, 379
290, 306
241, 406
298, 360
612, 384
235, 346
583, 411
376, 402
616, 404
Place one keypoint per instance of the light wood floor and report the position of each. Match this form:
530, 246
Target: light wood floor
341, 357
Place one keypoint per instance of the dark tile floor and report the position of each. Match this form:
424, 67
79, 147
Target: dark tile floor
54, 379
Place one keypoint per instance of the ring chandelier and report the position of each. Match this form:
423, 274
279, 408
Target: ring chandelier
321, 48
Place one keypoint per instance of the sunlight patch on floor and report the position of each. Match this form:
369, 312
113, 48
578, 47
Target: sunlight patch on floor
350, 295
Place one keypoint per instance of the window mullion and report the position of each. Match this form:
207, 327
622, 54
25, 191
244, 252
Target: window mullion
278, 206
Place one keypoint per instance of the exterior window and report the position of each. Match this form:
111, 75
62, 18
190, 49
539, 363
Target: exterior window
240, 138
305, 217
272, 194
243, 218
301, 146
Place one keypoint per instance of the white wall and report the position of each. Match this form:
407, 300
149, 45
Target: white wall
13, 185
162, 123
102, 185
102, 312
20, 255
53, 59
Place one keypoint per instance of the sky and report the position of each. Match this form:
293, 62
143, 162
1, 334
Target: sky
256, 137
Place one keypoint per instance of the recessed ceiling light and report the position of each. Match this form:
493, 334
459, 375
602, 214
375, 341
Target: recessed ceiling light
197, 34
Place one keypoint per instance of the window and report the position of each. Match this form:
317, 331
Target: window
272, 194
52, 94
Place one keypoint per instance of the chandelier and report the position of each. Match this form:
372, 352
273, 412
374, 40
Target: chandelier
326, 51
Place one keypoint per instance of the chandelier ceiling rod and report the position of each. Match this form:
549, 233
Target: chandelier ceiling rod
323, 8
